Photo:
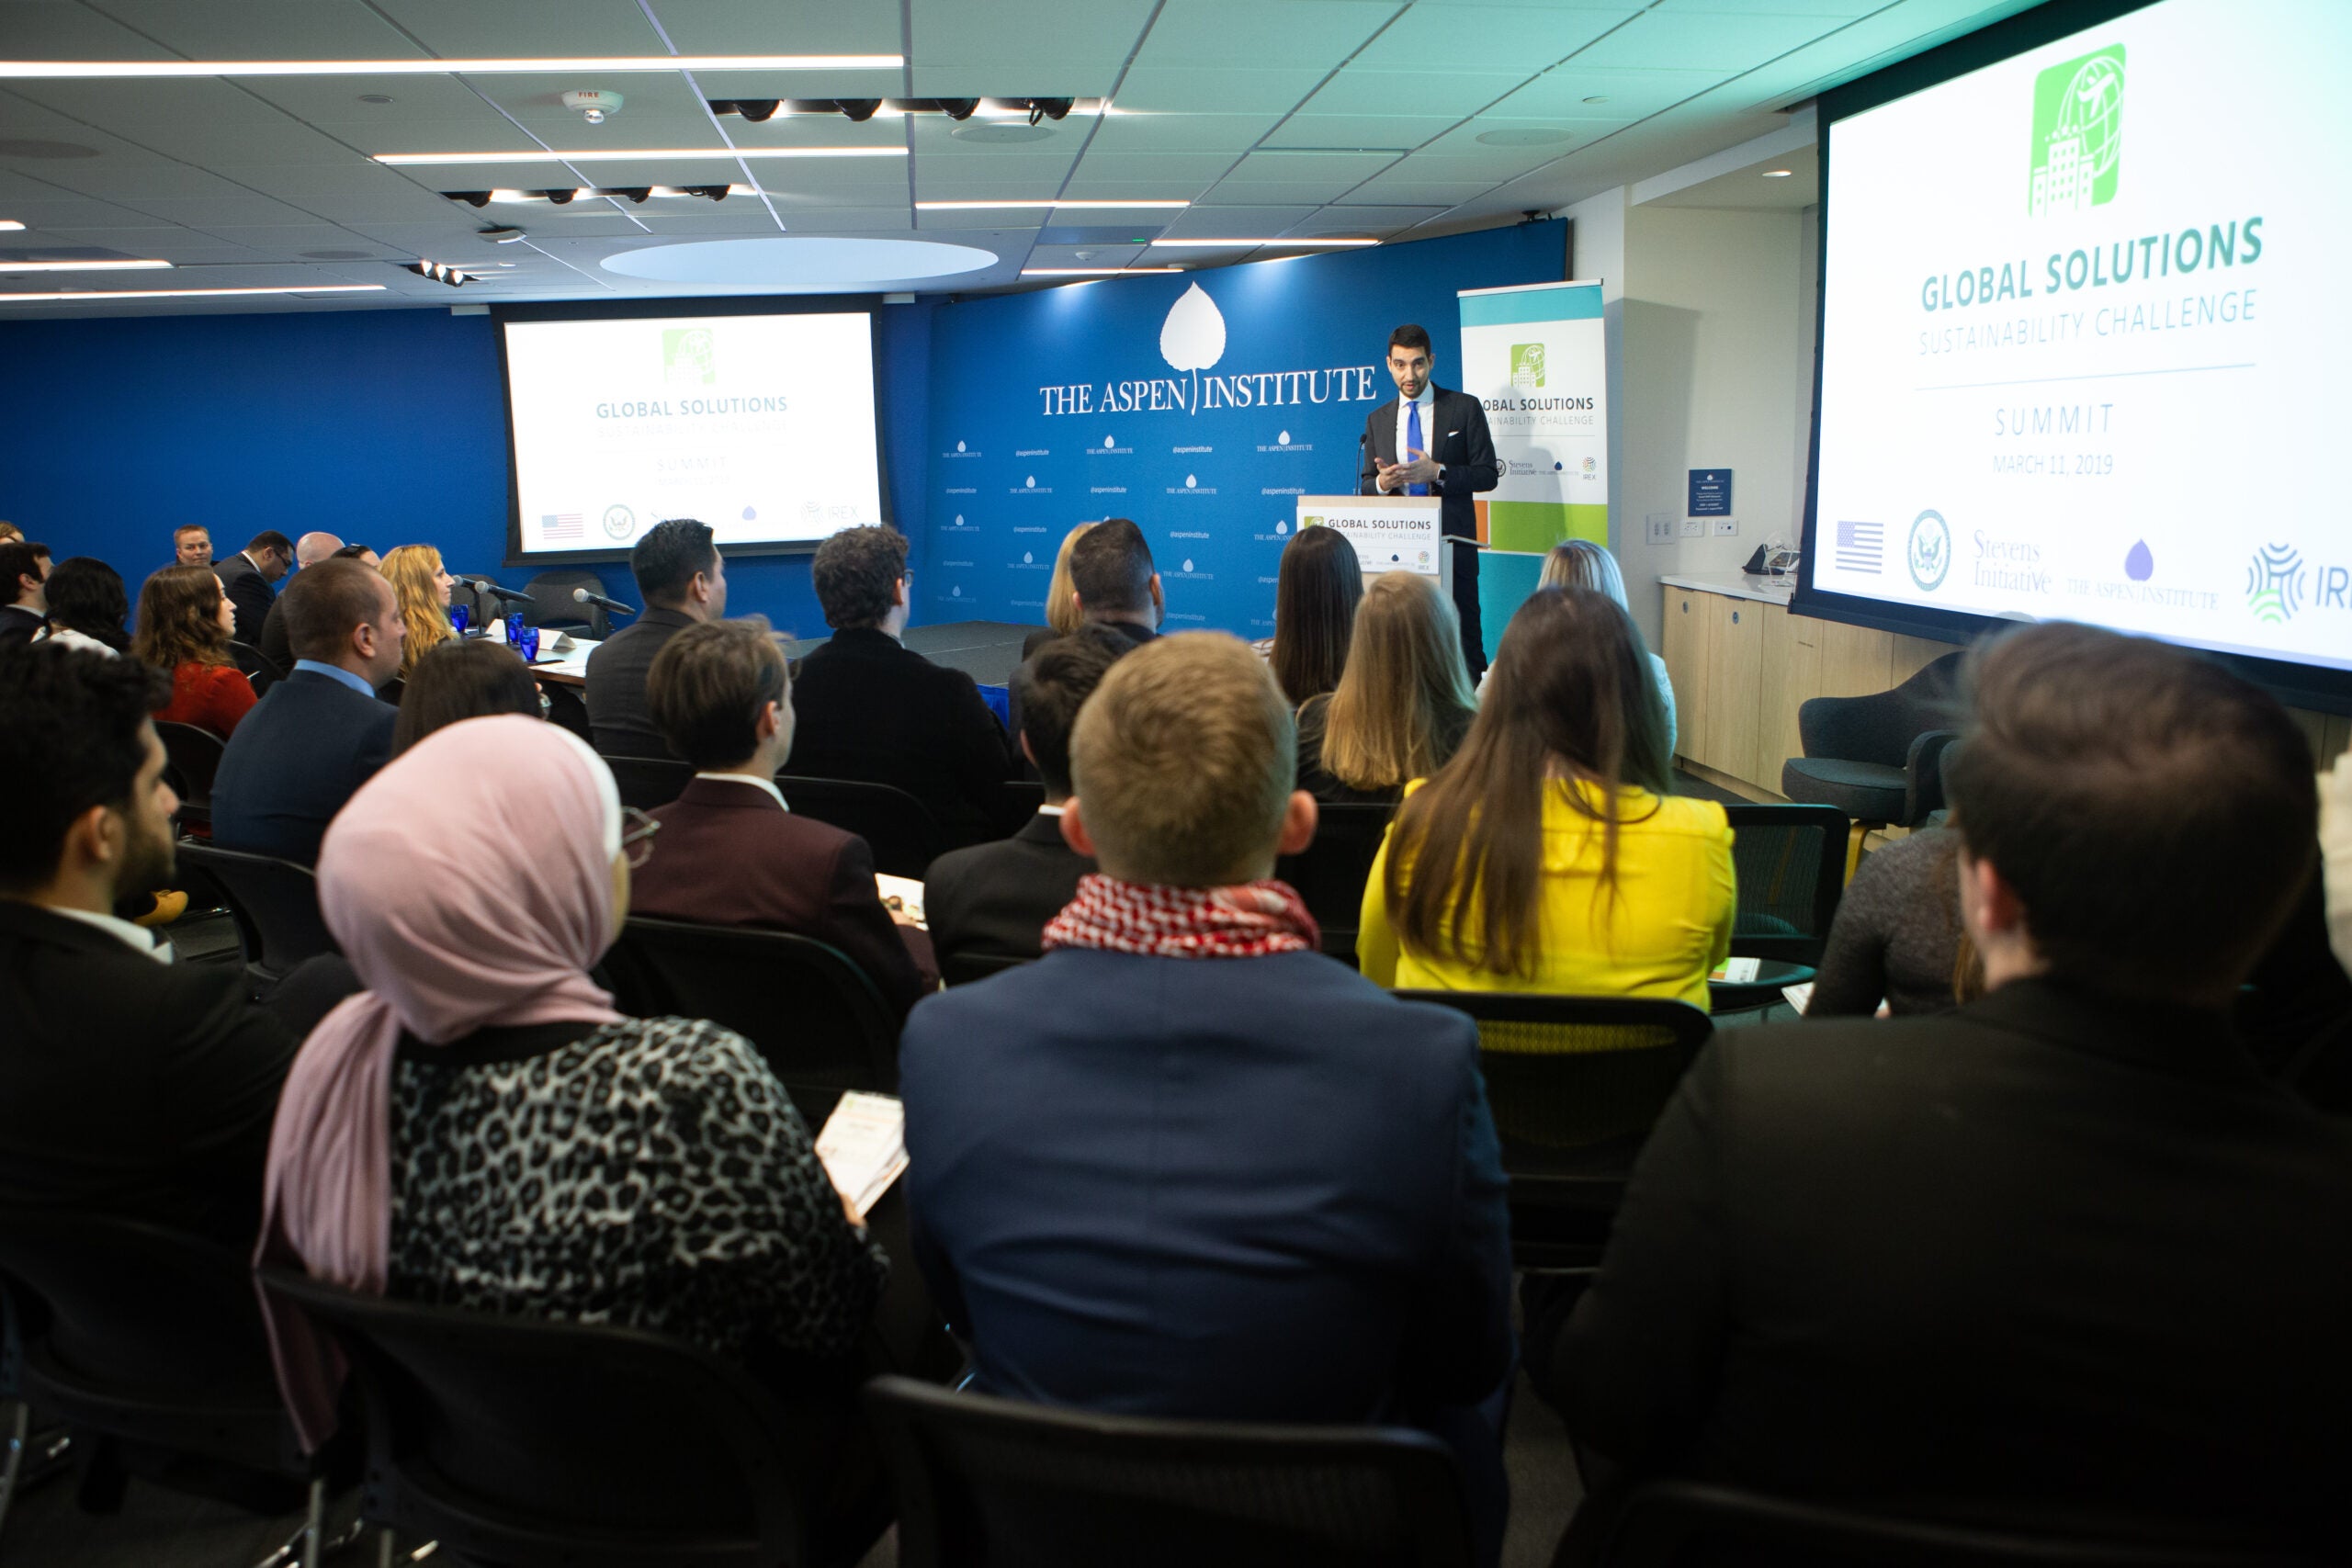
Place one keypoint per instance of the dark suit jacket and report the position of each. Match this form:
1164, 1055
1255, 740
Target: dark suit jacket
616, 684
129, 1087
1458, 439
302, 751
1258, 1189
19, 624
276, 644
996, 898
867, 708
2045, 1251
727, 855
249, 592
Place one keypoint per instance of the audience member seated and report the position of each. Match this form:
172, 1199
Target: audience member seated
2060, 1252
191, 545
185, 624
1579, 563
1315, 595
684, 583
24, 574
463, 679
1896, 939
2335, 839
1113, 583
414, 571
309, 551
247, 578
320, 733
1569, 869
1404, 701
10, 532
129, 1084
1185, 1165
730, 853
480, 1128
86, 606
993, 900
1061, 609
870, 708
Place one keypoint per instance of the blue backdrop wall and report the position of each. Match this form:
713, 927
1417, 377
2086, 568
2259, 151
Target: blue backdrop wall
1198, 404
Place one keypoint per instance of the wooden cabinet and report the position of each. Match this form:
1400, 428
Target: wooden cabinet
1684, 645
1734, 683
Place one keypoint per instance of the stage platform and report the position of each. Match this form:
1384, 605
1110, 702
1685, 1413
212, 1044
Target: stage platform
986, 650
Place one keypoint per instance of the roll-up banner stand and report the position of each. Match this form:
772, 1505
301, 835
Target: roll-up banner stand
1535, 355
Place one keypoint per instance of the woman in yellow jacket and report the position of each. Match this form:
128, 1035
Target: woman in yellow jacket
1568, 868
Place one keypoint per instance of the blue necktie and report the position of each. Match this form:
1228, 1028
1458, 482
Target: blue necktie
1414, 442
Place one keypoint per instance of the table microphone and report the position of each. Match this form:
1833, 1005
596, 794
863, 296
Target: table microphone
484, 585
582, 596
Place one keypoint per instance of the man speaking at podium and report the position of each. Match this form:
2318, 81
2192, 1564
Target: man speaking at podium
1428, 441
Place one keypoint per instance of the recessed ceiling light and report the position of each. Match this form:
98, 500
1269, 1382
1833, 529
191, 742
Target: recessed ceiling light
1232, 245
10, 223
54, 69
636, 154
1091, 271
1049, 201
1777, 173
9, 298
82, 265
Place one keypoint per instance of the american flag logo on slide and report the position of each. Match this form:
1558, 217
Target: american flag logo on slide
562, 524
1861, 546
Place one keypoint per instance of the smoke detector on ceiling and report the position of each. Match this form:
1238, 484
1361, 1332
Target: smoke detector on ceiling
593, 103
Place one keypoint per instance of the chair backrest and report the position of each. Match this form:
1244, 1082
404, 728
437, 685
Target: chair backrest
1880, 728
1685, 1525
1791, 862
275, 903
1330, 873
899, 829
261, 671
983, 1482
649, 783
191, 756
552, 603
816, 1017
526, 1441
1022, 797
962, 968
1923, 770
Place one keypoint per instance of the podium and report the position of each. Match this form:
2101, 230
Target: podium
1391, 533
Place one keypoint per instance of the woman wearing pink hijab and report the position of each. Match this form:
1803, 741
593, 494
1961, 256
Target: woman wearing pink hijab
480, 1128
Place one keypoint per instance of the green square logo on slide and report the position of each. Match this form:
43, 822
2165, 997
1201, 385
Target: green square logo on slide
687, 356
2077, 134
1527, 365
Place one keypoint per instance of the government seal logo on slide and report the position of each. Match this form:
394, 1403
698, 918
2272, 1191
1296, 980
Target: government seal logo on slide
1929, 552
2077, 146
619, 522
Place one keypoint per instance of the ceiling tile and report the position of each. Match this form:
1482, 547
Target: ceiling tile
1561, 93
1341, 169
1230, 219
1300, 192
1359, 90
1155, 170
778, 27
1181, 133
66, 30
1040, 47
1705, 40
265, 29
1430, 41
469, 29
1244, 34
1360, 129
1194, 90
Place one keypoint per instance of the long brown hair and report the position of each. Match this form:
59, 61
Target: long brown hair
1315, 611
414, 572
179, 619
1404, 700
1570, 690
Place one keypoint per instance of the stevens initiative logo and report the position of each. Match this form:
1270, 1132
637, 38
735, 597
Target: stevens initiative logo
2274, 583
689, 356
2077, 145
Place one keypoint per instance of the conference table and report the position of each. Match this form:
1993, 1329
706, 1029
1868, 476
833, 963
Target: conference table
571, 668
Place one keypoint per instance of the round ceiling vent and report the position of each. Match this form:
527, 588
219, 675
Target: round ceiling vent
1000, 132
24, 147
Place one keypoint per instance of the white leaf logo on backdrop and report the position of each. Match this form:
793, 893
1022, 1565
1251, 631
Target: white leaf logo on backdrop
1190, 481
1188, 565
1193, 338
1030, 483
959, 520
1107, 440
1028, 558
1283, 525
959, 446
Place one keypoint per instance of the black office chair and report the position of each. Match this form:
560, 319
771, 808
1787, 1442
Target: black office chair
392, 691
648, 783
899, 829
1686, 1525
1330, 873
1791, 862
1020, 801
275, 904
986, 1483
1575, 1084
552, 604
813, 1013
147, 1344
539, 1444
260, 670
191, 756
1879, 758
962, 968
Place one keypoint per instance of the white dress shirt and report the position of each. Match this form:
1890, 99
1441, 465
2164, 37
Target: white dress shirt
1426, 404
139, 939
755, 779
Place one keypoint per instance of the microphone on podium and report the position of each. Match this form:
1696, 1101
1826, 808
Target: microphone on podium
582, 596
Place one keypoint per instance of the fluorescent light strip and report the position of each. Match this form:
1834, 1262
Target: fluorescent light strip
10, 223
9, 298
82, 266
1284, 245
1091, 271
54, 69
637, 154
1017, 205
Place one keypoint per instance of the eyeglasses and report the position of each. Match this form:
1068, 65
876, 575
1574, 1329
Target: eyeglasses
637, 835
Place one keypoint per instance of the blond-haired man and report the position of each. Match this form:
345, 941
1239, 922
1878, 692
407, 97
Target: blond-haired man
1185, 1165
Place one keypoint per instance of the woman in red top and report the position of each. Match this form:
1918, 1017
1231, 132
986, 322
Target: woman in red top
184, 626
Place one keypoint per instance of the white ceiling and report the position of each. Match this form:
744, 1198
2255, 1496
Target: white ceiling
1293, 117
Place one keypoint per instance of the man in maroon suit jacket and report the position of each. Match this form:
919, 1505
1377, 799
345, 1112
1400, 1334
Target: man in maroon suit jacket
730, 853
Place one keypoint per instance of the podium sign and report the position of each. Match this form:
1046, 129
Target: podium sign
1391, 533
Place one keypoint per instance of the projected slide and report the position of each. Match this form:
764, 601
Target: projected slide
761, 426
2084, 335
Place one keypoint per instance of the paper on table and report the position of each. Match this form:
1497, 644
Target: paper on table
902, 896
1798, 997
864, 1148
1736, 971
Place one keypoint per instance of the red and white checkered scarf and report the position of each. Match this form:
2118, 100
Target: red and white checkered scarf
1250, 920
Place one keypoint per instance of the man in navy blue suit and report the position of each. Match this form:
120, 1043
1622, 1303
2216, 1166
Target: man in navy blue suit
1185, 1165
321, 733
